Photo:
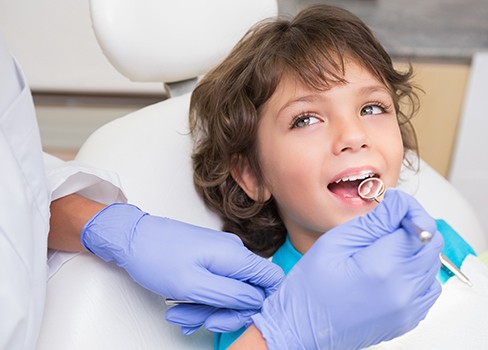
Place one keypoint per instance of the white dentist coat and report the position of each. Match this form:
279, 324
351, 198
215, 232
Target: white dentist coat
26, 190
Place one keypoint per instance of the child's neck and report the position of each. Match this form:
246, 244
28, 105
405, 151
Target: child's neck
302, 242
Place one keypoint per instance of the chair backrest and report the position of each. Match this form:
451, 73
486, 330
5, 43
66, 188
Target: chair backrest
169, 41
93, 305
150, 151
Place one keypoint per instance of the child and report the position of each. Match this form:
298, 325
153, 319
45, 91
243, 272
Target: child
289, 124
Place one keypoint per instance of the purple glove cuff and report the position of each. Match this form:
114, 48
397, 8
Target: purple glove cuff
107, 233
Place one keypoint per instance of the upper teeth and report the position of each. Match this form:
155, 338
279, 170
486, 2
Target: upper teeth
360, 176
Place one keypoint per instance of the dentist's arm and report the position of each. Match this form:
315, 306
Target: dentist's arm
68, 216
168, 257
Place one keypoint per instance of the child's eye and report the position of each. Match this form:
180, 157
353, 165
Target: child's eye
303, 120
372, 109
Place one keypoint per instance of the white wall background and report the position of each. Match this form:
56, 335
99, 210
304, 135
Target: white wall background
54, 43
469, 167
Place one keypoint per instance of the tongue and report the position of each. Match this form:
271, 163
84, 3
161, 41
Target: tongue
345, 188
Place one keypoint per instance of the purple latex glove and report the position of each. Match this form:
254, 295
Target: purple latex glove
361, 283
191, 317
182, 261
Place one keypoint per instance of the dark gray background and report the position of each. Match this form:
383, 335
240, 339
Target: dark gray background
428, 29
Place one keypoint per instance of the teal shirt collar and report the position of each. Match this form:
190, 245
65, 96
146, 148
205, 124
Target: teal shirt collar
286, 256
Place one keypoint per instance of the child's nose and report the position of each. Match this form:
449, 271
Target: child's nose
351, 136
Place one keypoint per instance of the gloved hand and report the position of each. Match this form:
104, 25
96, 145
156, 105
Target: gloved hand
361, 283
183, 262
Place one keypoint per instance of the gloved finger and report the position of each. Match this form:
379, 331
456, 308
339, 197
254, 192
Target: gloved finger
417, 311
190, 316
417, 215
428, 254
386, 256
251, 268
420, 258
242, 265
220, 291
425, 282
421, 283
188, 330
362, 231
398, 253
226, 320
397, 205
425, 301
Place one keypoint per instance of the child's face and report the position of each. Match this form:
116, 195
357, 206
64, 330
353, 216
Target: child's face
309, 140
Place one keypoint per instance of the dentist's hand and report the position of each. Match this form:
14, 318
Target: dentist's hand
361, 283
182, 261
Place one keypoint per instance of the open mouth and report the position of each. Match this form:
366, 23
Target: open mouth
347, 186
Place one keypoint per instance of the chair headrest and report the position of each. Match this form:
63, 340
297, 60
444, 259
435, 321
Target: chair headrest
169, 41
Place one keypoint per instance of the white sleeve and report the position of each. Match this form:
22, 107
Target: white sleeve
68, 177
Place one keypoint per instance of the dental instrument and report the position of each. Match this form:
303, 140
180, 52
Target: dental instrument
372, 188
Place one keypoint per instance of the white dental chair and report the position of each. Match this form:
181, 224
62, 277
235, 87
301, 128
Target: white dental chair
94, 305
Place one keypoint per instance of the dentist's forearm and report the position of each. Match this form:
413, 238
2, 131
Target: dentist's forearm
68, 216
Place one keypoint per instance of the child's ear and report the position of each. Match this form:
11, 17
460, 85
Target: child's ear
246, 179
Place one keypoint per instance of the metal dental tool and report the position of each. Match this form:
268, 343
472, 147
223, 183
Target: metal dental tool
173, 302
372, 188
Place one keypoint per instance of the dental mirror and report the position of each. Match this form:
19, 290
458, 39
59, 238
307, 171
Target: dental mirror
371, 189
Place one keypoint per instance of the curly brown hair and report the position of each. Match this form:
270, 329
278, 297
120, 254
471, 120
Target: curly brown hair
313, 47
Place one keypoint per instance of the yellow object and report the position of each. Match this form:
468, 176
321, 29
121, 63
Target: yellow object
484, 257
440, 109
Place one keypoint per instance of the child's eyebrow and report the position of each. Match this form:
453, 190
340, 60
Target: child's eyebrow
367, 90
306, 98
